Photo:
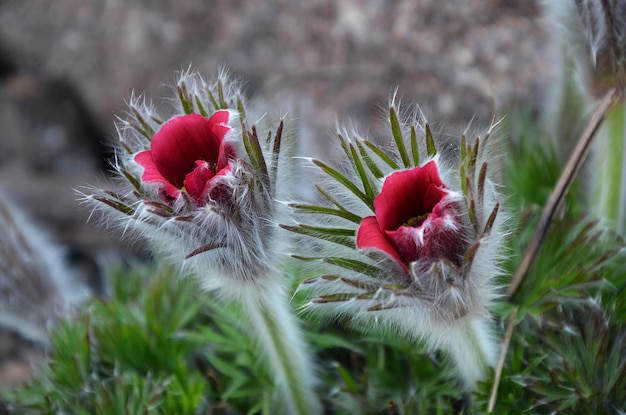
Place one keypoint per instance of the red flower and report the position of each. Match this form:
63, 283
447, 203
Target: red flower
188, 151
415, 219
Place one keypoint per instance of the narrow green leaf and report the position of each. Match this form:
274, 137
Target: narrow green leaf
278, 138
145, 128
339, 236
212, 98
363, 285
472, 162
345, 147
346, 263
330, 198
276, 149
384, 157
414, 147
156, 119
464, 180
353, 265
396, 131
183, 97
367, 186
201, 108
463, 147
313, 209
482, 177
255, 152
220, 94
351, 384
430, 142
491, 219
161, 206
133, 181
127, 210
327, 230
470, 254
472, 214
376, 172
345, 182
240, 108
382, 307
334, 298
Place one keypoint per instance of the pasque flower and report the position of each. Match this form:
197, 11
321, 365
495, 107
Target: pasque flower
417, 219
188, 151
408, 240
202, 188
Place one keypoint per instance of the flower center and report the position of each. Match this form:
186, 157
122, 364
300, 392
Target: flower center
212, 166
416, 221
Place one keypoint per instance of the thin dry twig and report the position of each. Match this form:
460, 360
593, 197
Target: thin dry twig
555, 202
500, 367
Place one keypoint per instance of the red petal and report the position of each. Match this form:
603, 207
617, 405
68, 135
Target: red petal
196, 181
220, 191
227, 154
404, 241
183, 140
408, 194
219, 123
152, 175
369, 235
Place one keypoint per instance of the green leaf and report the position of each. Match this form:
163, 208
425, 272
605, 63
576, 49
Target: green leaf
350, 384
339, 236
334, 201
430, 142
143, 128
383, 156
240, 108
396, 131
323, 210
185, 99
346, 263
376, 172
255, 152
414, 147
347, 183
201, 108
365, 180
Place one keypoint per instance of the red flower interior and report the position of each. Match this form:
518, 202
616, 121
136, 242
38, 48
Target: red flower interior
413, 219
187, 151
408, 197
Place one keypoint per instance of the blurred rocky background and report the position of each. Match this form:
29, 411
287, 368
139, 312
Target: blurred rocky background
68, 66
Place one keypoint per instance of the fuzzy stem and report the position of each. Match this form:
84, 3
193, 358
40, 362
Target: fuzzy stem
608, 169
280, 339
472, 349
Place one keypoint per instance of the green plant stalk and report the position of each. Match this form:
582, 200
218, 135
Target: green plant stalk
280, 339
609, 170
472, 347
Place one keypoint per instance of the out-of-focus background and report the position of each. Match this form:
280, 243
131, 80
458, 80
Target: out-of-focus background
67, 67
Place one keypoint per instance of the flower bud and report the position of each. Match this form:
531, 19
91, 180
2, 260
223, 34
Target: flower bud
204, 192
198, 196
